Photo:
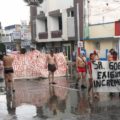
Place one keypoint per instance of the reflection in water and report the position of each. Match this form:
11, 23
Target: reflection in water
55, 103
40, 112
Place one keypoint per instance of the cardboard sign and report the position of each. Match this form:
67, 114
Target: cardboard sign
106, 76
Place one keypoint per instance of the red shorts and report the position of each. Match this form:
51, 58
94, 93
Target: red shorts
79, 69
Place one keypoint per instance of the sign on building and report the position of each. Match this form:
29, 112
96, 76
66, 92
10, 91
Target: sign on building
80, 44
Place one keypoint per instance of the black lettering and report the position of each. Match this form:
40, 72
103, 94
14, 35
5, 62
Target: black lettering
111, 65
99, 75
119, 65
97, 83
108, 74
108, 82
112, 83
103, 84
117, 74
115, 66
112, 74
116, 82
100, 65
104, 75
96, 65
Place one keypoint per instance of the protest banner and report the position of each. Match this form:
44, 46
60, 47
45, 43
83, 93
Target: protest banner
33, 65
106, 76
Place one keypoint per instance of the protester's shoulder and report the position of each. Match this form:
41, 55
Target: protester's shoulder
47, 56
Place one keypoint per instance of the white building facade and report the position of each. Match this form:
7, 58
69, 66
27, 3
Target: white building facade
55, 26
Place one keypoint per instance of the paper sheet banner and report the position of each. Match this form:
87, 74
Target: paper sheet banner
33, 65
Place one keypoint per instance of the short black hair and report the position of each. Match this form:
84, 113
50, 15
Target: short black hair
23, 51
51, 50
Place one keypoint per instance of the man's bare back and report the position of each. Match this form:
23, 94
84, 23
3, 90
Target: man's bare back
7, 60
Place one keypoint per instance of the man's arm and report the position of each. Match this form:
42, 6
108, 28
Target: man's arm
56, 62
46, 61
77, 62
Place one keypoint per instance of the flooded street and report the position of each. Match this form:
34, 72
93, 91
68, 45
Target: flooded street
37, 100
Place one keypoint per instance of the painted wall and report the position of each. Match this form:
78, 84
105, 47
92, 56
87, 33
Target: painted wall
64, 25
53, 24
89, 45
106, 44
101, 30
40, 26
71, 26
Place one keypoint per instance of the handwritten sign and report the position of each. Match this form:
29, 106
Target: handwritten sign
106, 76
33, 65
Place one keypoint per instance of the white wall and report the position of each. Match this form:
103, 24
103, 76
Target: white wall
52, 5
59, 4
40, 27
102, 30
53, 24
71, 27
64, 25
43, 7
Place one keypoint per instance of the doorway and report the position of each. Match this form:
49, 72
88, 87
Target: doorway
67, 50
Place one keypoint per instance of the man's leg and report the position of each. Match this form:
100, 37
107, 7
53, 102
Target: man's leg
53, 78
49, 77
6, 81
12, 82
83, 80
78, 79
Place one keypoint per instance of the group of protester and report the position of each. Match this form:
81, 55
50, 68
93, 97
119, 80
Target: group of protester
6, 63
83, 68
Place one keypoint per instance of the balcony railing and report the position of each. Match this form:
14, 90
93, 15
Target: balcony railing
43, 35
56, 34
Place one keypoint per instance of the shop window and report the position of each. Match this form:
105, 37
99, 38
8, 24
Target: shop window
46, 28
70, 13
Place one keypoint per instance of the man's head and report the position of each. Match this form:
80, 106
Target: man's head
92, 56
111, 50
51, 52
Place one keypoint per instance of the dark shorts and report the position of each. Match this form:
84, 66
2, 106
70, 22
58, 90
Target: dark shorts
51, 67
8, 70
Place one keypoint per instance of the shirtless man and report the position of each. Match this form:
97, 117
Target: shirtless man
81, 69
8, 70
52, 66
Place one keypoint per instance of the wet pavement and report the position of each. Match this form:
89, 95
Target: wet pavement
37, 100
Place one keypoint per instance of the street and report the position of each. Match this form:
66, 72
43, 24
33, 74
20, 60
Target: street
37, 100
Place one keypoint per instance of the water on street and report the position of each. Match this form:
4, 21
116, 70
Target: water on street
37, 100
